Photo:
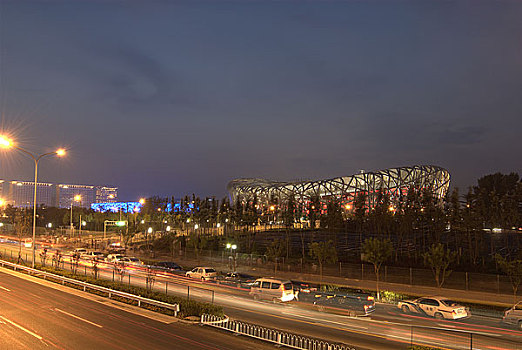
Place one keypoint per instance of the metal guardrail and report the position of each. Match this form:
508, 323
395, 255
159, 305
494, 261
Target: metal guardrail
85, 285
271, 335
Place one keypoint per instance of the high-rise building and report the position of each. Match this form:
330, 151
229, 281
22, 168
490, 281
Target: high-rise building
65, 195
20, 194
106, 194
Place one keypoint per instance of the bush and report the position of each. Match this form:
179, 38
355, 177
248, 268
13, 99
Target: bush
187, 307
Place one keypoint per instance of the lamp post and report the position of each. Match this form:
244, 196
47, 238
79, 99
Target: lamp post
233, 248
7, 143
76, 198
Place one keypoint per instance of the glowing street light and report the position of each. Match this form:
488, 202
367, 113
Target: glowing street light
142, 201
7, 143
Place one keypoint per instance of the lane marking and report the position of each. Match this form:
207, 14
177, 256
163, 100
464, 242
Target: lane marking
4, 288
22, 328
78, 318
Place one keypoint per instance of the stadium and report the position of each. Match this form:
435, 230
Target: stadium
395, 182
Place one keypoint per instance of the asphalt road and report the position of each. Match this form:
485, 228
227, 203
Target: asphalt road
33, 316
387, 328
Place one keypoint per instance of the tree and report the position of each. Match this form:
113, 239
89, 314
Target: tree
439, 259
198, 242
377, 251
275, 250
323, 252
512, 268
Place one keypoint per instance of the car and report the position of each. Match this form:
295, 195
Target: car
169, 266
112, 258
513, 315
79, 251
352, 304
238, 279
272, 289
203, 273
98, 256
130, 260
438, 307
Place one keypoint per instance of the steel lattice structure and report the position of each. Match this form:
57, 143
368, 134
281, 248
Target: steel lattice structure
395, 182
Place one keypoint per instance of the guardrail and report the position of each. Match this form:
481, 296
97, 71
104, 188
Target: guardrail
110, 292
271, 335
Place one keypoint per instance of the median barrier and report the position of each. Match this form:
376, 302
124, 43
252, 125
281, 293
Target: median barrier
280, 338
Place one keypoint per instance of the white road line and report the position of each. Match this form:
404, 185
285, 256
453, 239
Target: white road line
22, 328
79, 318
4, 288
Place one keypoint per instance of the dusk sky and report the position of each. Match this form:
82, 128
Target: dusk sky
174, 98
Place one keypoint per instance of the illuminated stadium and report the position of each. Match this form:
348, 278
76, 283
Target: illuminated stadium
395, 182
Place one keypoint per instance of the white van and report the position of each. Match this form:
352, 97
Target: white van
272, 289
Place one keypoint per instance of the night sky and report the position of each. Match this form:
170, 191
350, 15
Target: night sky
175, 98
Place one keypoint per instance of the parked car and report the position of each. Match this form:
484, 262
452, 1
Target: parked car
168, 266
129, 260
353, 304
98, 256
203, 273
272, 289
79, 251
238, 279
438, 307
513, 315
112, 258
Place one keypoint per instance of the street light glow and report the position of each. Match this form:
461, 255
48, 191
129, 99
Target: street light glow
5, 142
60, 152
78, 198
142, 201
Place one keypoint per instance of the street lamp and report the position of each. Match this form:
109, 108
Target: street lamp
232, 248
76, 198
7, 143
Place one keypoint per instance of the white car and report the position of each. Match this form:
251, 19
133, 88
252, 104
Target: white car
112, 258
438, 307
203, 273
129, 260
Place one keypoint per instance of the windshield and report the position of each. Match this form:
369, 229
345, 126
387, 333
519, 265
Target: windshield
210, 270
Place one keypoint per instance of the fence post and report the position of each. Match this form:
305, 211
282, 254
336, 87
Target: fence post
212, 296
362, 271
340, 269
471, 341
129, 279
411, 276
167, 288
498, 284
188, 292
112, 276
467, 281
385, 272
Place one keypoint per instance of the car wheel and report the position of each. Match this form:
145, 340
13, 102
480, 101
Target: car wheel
275, 300
320, 308
520, 325
202, 279
438, 316
405, 309
256, 297
352, 313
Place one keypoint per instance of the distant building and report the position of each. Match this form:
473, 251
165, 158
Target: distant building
20, 194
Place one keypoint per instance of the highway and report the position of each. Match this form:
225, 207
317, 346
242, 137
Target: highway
35, 316
387, 328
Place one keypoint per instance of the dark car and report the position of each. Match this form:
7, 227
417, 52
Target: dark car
353, 304
169, 266
238, 279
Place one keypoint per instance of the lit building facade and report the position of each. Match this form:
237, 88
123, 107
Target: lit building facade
394, 182
20, 194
